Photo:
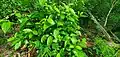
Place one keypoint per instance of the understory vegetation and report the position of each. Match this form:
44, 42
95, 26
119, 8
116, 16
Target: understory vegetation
59, 28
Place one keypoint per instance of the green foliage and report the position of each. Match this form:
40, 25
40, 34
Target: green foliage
103, 49
6, 26
52, 26
3, 41
53, 31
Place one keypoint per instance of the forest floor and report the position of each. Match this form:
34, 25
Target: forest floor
5, 50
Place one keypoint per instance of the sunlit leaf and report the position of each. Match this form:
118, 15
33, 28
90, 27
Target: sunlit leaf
50, 20
62, 16
78, 53
26, 42
78, 47
62, 52
56, 33
49, 40
74, 40
35, 32
56, 9
30, 35
60, 23
37, 44
23, 22
42, 2
71, 19
27, 30
45, 26
44, 37
58, 55
72, 11
18, 15
11, 39
83, 43
71, 46
6, 26
17, 45
55, 45
75, 52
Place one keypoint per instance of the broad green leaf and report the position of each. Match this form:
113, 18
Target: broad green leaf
83, 43
23, 22
62, 16
63, 32
27, 30
72, 34
42, 2
72, 11
67, 40
71, 19
18, 15
65, 44
60, 23
62, 52
50, 20
15, 41
78, 53
83, 16
71, 29
67, 37
55, 40
84, 40
35, 14
56, 9
45, 26
43, 20
17, 45
78, 33
81, 13
78, 47
74, 40
75, 52
71, 46
56, 33
55, 46
44, 37
30, 35
58, 55
67, 7
2, 21
49, 40
37, 44
48, 24
35, 32
6, 26
11, 39
50, 7
26, 42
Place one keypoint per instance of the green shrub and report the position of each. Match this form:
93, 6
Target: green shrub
103, 49
53, 31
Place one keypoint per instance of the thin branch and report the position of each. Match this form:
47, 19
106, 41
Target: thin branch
115, 36
100, 27
113, 4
